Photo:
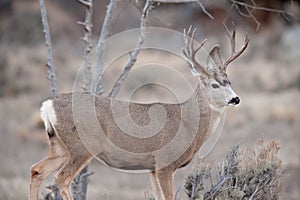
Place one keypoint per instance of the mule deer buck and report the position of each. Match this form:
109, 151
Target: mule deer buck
74, 121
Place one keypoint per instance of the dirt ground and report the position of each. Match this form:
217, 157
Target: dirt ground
266, 77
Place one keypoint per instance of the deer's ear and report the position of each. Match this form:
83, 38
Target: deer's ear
214, 60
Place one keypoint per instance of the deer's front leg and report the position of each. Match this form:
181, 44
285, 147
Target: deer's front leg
154, 185
164, 179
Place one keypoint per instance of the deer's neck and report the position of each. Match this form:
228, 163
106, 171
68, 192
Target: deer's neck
209, 115
202, 96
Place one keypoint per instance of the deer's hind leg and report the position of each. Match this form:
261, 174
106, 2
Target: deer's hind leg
67, 173
39, 171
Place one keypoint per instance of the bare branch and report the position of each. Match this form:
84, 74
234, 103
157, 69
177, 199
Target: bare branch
86, 3
241, 12
254, 193
204, 10
250, 7
97, 82
87, 39
136, 51
80, 183
175, 1
50, 65
187, 1
258, 24
254, 6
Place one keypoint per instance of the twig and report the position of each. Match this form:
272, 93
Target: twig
254, 6
97, 82
204, 10
187, 1
50, 65
213, 192
227, 171
254, 193
87, 39
175, 1
135, 3
87, 3
258, 24
136, 51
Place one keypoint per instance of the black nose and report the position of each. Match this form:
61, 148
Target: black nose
234, 101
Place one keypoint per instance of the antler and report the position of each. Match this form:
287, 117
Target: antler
190, 51
234, 54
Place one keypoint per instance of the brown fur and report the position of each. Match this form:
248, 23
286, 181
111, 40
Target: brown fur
69, 154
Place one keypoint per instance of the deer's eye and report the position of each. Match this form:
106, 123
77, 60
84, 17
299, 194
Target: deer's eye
215, 86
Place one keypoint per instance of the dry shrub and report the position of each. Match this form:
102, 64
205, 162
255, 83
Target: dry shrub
255, 176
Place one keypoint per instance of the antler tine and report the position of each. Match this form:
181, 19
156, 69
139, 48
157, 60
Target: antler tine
187, 50
195, 50
234, 54
190, 51
231, 37
188, 39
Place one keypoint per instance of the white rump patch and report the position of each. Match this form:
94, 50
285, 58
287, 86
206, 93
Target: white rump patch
48, 114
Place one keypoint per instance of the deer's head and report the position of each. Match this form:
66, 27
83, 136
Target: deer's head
213, 76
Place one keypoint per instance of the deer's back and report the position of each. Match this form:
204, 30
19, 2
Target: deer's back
112, 127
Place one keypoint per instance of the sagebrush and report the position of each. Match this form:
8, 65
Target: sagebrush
243, 175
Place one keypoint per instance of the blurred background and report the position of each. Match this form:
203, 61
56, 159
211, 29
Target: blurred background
266, 77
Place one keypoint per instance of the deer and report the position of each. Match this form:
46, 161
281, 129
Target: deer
73, 131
